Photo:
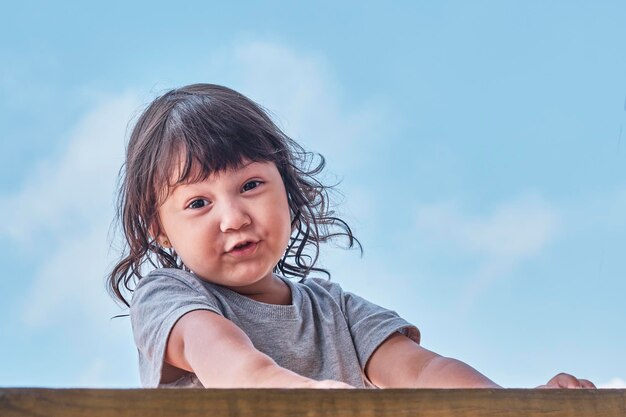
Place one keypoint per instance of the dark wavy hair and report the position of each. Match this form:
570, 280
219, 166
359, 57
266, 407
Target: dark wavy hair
206, 128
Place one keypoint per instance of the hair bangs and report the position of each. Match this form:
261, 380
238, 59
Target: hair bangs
194, 147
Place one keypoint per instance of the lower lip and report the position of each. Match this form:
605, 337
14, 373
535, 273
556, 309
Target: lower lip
244, 251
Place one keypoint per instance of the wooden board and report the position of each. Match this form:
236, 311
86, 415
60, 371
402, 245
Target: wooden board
21, 402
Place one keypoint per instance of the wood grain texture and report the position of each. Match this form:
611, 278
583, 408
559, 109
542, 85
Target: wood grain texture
22, 402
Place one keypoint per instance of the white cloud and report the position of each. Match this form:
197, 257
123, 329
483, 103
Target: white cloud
75, 189
301, 92
614, 383
66, 206
513, 232
71, 279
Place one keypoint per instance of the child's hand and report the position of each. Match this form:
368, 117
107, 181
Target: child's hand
563, 380
328, 384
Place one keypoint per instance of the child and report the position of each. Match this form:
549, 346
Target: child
223, 206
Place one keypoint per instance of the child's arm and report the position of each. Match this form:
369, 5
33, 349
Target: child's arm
400, 362
222, 356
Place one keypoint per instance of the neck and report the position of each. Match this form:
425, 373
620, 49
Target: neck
275, 292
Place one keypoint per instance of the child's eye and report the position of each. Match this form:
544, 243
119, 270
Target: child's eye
199, 203
251, 185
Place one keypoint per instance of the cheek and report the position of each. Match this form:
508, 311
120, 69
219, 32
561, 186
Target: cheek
282, 221
282, 224
287, 231
193, 240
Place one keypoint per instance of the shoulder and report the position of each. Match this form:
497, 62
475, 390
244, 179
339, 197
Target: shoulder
321, 286
167, 277
167, 289
324, 283
326, 292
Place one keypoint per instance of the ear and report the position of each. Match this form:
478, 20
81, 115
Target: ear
159, 236
164, 241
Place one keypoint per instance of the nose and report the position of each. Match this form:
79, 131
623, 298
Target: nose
234, 216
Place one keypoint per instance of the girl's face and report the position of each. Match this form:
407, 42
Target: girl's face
232, 228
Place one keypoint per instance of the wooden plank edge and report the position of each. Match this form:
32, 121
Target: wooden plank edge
21, 402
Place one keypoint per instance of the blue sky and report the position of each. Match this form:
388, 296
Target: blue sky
481, 149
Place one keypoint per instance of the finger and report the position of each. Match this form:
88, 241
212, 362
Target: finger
569, 381
564, 380
587, 384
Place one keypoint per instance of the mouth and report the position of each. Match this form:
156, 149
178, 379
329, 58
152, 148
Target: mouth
243, 248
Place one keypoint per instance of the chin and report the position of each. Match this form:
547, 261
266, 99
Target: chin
245, 279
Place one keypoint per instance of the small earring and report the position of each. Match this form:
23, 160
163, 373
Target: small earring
166, 243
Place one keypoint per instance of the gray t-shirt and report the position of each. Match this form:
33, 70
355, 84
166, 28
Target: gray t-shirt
326, 333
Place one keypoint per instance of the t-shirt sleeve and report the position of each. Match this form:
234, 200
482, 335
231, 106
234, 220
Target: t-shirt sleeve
159, 301
370, 325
